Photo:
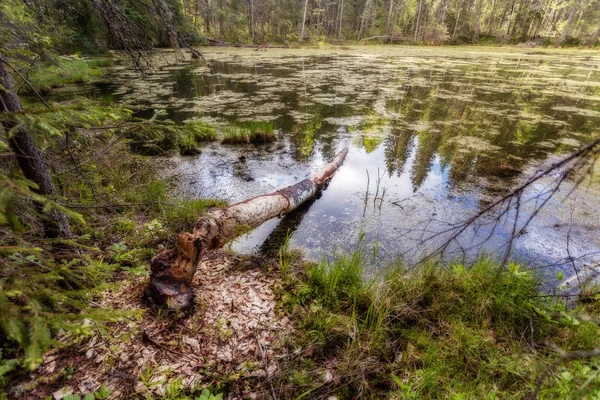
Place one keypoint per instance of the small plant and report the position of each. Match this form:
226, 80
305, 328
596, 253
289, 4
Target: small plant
68, 371
101, 394
122, 255
285, 257
174, 389
225, 330
146, 375
207, 395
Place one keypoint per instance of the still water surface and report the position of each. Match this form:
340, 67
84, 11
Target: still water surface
444, 131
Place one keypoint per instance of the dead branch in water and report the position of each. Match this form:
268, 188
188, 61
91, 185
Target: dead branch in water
173, 269
579, 164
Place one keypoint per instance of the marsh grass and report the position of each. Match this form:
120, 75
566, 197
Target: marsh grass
255, 132
159, 136
436, 331
233, 135
66, 71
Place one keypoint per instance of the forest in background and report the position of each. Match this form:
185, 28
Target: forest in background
79, 25
567, 22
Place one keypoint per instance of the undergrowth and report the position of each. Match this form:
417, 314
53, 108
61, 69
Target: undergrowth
121, 213
435, 331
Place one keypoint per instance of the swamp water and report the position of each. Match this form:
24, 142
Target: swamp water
438, 133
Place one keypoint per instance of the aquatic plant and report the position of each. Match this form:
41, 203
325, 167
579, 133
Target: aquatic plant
233, 135
253, 134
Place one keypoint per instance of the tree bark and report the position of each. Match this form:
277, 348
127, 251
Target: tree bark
567, 30
456, 22
29, 156
389, 15
341, 19
366, 10
252, 19
303, 21
418, 21
173, 269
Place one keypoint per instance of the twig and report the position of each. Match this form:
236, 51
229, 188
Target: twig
154, 343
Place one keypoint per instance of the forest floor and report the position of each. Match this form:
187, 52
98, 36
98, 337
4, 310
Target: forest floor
264, 328
236, 330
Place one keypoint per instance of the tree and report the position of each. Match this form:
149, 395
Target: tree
303, 20
28, 154
566, 31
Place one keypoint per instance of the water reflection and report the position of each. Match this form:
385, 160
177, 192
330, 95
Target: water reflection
452, 128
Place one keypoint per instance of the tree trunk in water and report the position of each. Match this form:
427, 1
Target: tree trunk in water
29, 156
173, 269
303, 21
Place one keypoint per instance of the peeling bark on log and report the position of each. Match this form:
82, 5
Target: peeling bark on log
173, 269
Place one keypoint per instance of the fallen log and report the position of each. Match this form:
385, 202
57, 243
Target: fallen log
385, 38
172, 270
264, 46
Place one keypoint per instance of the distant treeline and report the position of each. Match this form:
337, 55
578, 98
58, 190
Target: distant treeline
93, 25
548, 22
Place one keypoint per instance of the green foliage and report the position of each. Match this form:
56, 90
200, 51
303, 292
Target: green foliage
51, 296
160, 135
434, 331
102, 393
48, 125
43, 292
207, 395
65, 71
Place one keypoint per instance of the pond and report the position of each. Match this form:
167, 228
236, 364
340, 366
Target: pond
437, 133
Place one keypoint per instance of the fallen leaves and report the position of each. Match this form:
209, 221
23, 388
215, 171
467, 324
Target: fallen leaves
234, 331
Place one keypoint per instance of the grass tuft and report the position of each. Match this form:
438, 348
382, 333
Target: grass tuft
255, 132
